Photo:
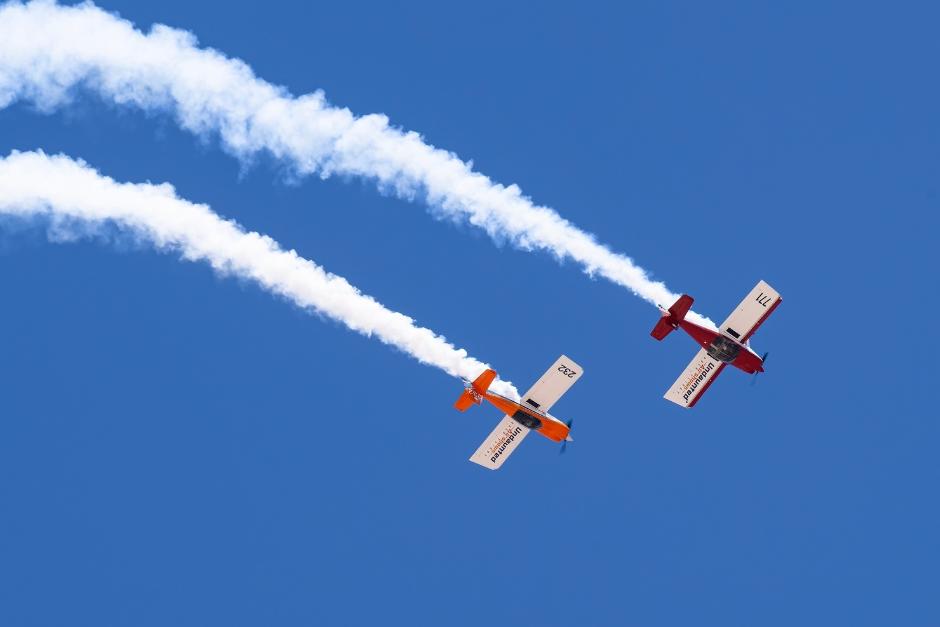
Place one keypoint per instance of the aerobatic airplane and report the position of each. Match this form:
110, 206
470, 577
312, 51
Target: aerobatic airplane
529, 415
728, 345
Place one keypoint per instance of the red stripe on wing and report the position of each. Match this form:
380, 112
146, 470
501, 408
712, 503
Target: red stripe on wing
705, 387
761, 321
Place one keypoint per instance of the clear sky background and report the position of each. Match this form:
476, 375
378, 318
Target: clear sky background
182, 449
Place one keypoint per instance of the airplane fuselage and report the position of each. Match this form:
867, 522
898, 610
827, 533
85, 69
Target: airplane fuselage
544, 424
724, 348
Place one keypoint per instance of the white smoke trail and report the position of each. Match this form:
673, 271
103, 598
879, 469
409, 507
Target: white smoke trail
47, 51
33, 184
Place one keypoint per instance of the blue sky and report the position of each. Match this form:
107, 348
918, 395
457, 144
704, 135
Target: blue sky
177, 448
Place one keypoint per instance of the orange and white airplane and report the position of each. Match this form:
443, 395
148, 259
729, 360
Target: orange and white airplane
529, 415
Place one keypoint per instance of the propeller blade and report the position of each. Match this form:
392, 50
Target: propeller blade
564, 444
763, 360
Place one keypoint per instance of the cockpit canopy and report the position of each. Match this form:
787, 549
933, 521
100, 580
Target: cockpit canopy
526, 419
723, 349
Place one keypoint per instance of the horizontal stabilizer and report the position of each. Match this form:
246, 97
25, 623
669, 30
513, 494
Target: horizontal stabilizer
473, 394
465, 401
670, 319
662, 328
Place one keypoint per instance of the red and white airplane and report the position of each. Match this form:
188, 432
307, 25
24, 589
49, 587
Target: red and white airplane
529, 415
728, 345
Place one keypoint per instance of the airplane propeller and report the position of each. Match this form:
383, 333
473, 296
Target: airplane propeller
564, 445
762, 360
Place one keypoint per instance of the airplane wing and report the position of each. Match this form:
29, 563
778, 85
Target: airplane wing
751, 313
694, 380
552, 385
500, 444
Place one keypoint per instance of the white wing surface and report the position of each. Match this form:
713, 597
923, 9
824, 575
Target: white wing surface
751, 313
694, 380
552, 385
500, 444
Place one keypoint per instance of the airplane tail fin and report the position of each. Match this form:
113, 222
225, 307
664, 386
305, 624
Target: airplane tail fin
477, 389
672, 317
